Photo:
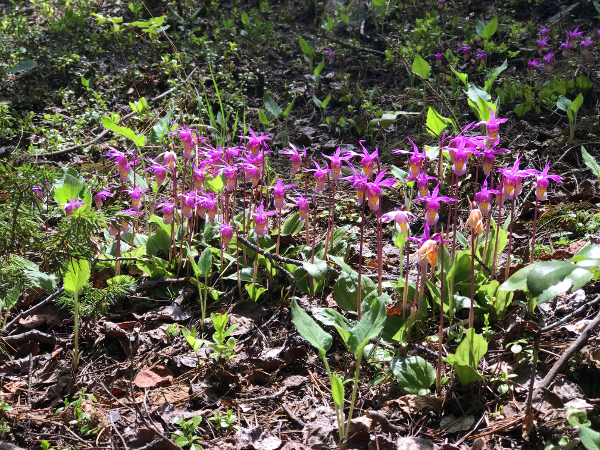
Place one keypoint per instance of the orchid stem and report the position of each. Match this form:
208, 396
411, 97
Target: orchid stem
512, 213
471, 313
360, 253
535, 214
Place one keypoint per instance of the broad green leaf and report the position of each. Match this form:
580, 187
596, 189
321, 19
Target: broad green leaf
590, 161
138, 140
589, 438
461, 76
271, 106
263, 118
502, 241
587, 252
563, 103
436, 124
517, 281
306, 49
332, 318
205, 263
490, 28
584, 84
492, 75
293, 225
245, 19
389, 117
160, 241
23, 66
318, 70
576, 104
346, 287
370, 326
317, 101
310, 330
466, 359
398, 173
420, 67
522, 108
326, 101
78, 274
316, 270
337, 390
254, 291
216, 183
548, 279
69, 189
414, 374
246, 274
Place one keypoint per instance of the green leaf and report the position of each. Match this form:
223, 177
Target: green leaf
492, 75
466, 359
576, 104
584, 84
306, 49
160, 241
420, 67
370, 326
263, 118
587, 252
78, 274
332, 318
215, 183
23, 66
563, 103
310, 330
522, 108
337, 390
318, 70
589, 438
272, 107
590, 161
518, 280
138, 140
346, 287
254, 291
436, 124
414, 374
205, 263
316, 270
461, 76
245, 19
292, 226
289, 107
317, 101
398, 173
490, 28
326, 101
548, 279
69, 190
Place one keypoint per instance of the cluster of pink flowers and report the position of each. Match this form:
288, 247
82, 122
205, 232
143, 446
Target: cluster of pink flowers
570, 44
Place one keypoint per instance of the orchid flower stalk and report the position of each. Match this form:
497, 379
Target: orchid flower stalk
475, 224
542, 181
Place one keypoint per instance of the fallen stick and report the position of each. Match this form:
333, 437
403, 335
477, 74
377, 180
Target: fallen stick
575, 346
34, 307
571, 315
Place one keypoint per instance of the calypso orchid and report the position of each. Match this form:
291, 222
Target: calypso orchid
336, 163
432, 205
543, 180
585, 46
255, 143
374, 190
541, 44
295, 157
168, 211
136, 197
415, 161
159, 171
261, 220
548, 60
71, 206
401, 218
533, 65
574, 36
100, 197
423, 184
279, 193
484, 198
492, 125
320, 176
